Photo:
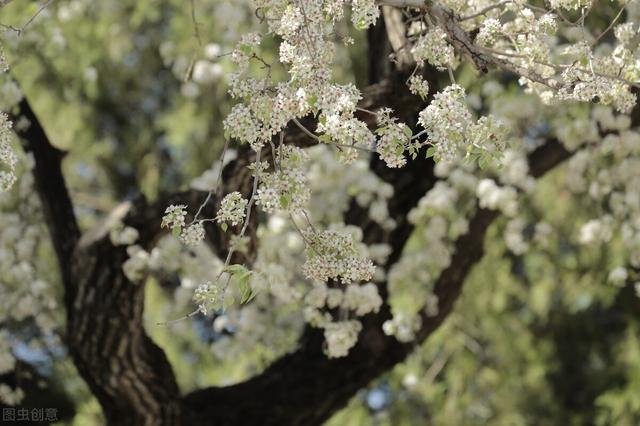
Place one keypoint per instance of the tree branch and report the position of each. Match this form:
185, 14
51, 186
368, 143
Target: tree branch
50, 185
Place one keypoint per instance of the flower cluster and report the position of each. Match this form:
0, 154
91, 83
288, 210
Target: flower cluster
394, 139
192, 234
596, 231
287, 187
489, 31
452, 130
570, 4
123, 235
7, 157
340, 337
208, 296
446, 121
362, 299
174, 217
359, 299
365, 13
418, 86
136, 267
345, 132
232, 209
434, 49
491, 196
514, 236
4, 65
402, 327
333, 255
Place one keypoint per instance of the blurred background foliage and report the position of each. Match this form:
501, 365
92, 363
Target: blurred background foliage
137, 96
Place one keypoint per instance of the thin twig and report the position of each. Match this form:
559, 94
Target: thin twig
20, 30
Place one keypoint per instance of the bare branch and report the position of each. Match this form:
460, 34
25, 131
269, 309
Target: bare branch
50, 185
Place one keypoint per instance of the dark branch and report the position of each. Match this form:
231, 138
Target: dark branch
50, 185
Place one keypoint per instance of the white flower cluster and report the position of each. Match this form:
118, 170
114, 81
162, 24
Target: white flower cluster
394, 139
4, 65
494, 197
332, 255
136, 267
625, 32
618, 276
306, 32
515, 170
7, 157
232, 209
452, 130
364, 13
570, 4
359, 299
584, 86
446, 120
596, 231
434, 49
174, 217
340, 337
362, 299
345, 132
208, 297
589, 72
514, 236
307, 51
489, 31
192, 234
287, 187
122, 235
439, 200
242, 125
402, 327
333, 186
418, 86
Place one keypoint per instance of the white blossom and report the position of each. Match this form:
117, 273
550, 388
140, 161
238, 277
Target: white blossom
340, 337
232, 209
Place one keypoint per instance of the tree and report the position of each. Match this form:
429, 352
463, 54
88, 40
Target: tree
479, 101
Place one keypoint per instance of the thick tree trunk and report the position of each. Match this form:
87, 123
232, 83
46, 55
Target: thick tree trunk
128, 373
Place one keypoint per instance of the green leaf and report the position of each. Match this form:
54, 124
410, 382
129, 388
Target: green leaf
236, 269
431, 151
325, 138
285, 200
224, 227
245, 289
407, 131
176, 231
